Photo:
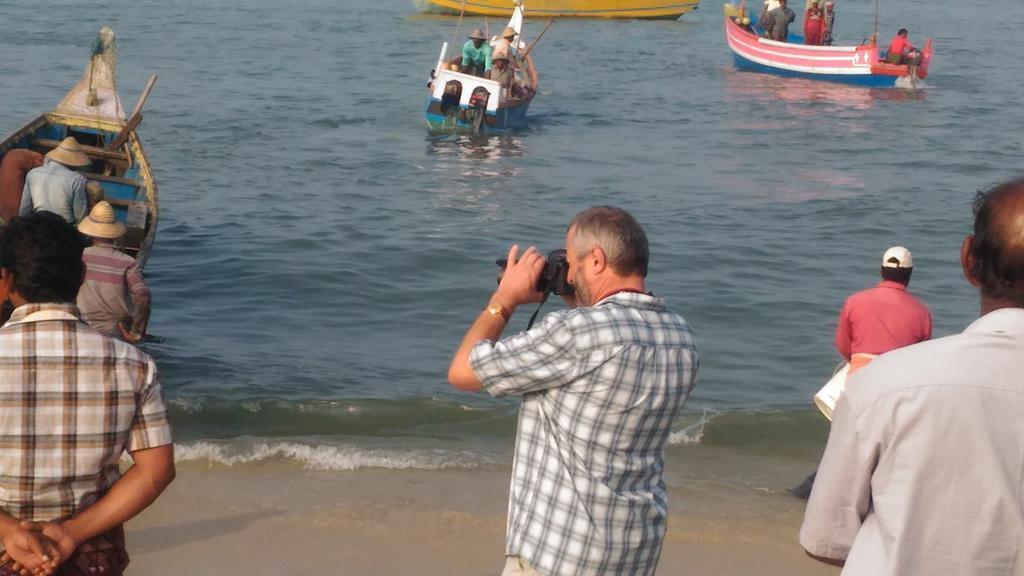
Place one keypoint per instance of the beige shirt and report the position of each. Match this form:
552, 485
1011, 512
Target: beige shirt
924, 468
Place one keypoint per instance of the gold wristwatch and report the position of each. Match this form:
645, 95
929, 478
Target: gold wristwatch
496, 308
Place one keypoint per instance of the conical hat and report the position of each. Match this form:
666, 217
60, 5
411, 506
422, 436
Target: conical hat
102, 223
69, 153
508, 31
477, 34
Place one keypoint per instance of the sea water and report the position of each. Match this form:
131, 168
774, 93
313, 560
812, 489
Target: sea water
320, 255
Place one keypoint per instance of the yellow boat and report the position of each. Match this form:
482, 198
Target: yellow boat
653, 9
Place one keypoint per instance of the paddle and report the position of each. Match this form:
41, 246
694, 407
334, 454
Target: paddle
537, 39
135, 118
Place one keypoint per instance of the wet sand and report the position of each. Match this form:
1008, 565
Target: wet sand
274, 517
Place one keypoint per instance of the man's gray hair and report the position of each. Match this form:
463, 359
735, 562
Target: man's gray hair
617, 234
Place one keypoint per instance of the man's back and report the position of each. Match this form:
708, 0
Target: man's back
71, 401
111, 277
14, 167
55, 188
602, 386
881, 319
923, 472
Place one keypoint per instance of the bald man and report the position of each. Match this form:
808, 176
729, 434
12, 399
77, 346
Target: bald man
923, 469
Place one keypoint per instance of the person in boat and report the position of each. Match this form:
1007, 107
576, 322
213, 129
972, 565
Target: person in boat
506, 43
830, 23
885, 317
779, 20
762, 20
503, 74
14, 167
899, 48
476, 54
74, 402
814, 24
94, 193
922, 471
56, 186
114, 299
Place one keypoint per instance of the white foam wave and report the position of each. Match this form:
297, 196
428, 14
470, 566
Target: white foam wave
692, 433
326, 457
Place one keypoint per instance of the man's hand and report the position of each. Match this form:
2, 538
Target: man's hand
519, 283
56, 535
126, 332
30, 553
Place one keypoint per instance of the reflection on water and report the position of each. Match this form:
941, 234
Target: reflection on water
471, 169
483, 152
810, 94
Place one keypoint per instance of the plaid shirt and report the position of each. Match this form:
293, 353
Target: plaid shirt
71, 402
601, 388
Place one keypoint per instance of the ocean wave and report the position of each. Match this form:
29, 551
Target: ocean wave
327, 457
692, 433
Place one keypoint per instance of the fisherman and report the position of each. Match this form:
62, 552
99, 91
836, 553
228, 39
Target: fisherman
56, 186
885, 317
94, 193
506, 43
814, 24
15, 165
779, 20
763, 20
476, 54
114, 299
830, 23
922, 473
503, 74
899, 48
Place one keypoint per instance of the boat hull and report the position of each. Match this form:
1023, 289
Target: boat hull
501, 120
645, 9
855, 65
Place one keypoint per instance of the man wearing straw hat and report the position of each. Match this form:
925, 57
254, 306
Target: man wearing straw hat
114, 298
56, 186
476, 54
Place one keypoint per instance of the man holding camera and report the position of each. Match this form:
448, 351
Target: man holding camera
601, 385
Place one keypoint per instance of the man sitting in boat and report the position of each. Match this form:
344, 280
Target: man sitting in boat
114, 299
476, 54
779, 20
885, 317
502, 73
56, 186
14, 167
900, 48
814, 25
506, 42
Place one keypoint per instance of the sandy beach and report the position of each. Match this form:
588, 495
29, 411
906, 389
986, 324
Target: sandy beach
275, 517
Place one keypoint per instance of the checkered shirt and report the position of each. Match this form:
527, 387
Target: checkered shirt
601, 387
71, 402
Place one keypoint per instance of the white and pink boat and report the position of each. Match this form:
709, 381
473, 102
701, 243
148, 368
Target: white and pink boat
862, 65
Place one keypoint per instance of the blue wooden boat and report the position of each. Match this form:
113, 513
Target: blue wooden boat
463, 102
92, 112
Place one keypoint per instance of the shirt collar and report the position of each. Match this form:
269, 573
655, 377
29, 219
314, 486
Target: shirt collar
635, 300
1001, 321
38, 312
892, 284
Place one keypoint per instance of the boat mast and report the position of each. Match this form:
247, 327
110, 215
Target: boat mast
875, 36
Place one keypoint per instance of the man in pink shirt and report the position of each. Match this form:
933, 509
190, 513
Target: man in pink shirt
885, 317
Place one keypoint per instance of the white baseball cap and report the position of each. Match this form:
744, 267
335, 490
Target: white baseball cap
897, 257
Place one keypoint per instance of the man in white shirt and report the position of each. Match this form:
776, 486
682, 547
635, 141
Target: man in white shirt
924, 468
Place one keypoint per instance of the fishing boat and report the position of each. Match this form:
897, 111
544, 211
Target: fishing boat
464, 102
93, 114
863, 65
648, 9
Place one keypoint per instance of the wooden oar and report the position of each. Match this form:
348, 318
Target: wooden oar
537, 39
135, 118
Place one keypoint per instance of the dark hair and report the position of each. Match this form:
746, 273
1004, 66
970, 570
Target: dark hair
617, 233
997, 249
901, 275
902, 32
44, 253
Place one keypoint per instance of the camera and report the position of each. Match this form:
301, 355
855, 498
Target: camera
553, 278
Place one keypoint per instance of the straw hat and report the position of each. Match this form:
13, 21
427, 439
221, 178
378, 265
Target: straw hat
508, 32
102, 223
477, 34
69, 153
